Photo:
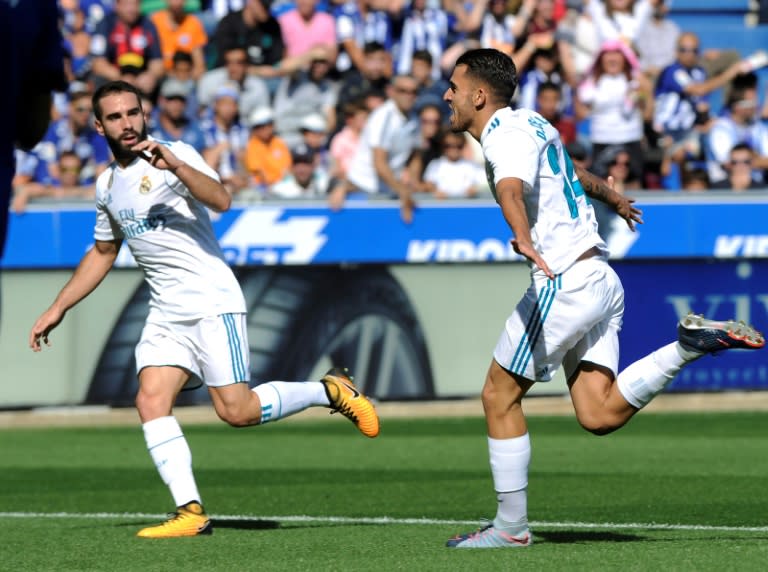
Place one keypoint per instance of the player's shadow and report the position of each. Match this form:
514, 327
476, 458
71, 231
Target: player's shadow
573, 536
245, 524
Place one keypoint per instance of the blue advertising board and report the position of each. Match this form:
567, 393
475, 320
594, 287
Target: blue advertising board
473, 231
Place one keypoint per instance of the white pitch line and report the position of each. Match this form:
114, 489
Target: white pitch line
391, 520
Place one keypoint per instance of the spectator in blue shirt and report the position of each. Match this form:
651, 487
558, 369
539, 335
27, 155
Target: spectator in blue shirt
173, 124
72, 133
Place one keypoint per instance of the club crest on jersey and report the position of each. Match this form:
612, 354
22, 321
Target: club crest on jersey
145, 186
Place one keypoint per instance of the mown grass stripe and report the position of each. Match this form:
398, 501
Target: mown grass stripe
392, 520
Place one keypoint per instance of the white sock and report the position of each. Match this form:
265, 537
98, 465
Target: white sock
643, 380
509, 467
173, 459
283, 398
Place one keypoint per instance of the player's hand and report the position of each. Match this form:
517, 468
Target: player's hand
531, 254
43, 326
625, 209
157, 155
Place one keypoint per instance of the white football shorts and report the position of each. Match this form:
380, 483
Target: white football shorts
575, 317
213, 349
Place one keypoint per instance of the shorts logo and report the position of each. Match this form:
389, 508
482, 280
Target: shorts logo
145, 186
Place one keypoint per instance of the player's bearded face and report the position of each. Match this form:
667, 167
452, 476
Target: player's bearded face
122, 124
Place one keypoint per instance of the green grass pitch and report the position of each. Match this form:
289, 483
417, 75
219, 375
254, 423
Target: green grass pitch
667, 492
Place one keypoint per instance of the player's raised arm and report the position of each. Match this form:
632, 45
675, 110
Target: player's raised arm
602, 190
205, 189
93, 267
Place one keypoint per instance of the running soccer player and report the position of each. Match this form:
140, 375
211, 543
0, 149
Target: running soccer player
571, 314
154, 196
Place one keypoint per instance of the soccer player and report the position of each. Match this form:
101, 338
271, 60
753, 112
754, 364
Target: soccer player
572, 312
154, 196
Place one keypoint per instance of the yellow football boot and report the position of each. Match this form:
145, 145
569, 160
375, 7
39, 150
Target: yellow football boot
188, 520
350, 402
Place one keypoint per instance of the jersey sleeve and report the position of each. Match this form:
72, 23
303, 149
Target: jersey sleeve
513, 153
191, 157
106, 228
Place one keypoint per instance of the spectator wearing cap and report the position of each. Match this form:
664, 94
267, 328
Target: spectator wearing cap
253, 91
267, 157
173, 124
314, 134
226, 140
180, 31
304, 180
126, 46
72, 133
305, 93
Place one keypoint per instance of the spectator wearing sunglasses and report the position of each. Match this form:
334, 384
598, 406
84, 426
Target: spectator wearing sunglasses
740, 170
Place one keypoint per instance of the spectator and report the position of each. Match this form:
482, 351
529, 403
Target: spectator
181, 70
126, 46
451, 175
430, 90
549, 105
358, 24
545, 68
614, 161
180, 32
253, 91
739, 124
577, 39
314, 134
614, 96
303, 94
226, 140
173, 123
71, 133
681, 89
695, 180
344, 144
739, 168
431, 122
386, 144
620, 20
303, 180
371, 77
267, 157
66, 185
305, 29
77, 43
425, 29
501, 28
657, 41
257, 32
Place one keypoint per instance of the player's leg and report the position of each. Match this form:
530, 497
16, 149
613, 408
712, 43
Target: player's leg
509, 449
158, 388
226, 370
159, 385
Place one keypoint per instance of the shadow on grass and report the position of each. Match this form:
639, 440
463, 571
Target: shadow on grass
245, 524
574, 536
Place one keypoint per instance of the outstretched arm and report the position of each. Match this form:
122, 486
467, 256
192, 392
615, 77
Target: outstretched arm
93, 267
602, 190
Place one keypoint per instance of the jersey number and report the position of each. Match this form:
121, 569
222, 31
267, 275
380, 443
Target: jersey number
571, 189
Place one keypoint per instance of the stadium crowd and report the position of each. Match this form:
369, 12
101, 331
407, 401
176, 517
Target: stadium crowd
343, 99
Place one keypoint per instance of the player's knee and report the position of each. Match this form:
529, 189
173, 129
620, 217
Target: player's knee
152, 406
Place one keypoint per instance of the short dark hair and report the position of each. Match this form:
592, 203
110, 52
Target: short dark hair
111, 88
741, 147
549, 86
373, 47
423, 56
494, 68
182, 57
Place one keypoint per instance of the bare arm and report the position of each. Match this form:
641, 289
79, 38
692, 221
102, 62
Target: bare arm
713, 83
384, 173
509, 193
602, 190
93, 267
208, 191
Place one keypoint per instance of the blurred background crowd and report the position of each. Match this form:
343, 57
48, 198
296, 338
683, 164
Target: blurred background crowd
343, 99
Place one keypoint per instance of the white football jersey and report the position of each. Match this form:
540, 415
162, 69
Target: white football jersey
170, 235
522, 144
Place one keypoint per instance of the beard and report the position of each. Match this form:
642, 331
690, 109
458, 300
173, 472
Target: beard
121, 151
